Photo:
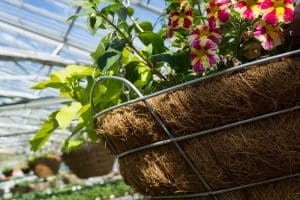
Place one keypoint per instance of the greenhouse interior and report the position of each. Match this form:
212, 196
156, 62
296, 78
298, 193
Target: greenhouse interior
150, 99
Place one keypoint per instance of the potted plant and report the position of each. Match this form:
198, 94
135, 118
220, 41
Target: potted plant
25, 170
7, 171
225, 127
44, 165
82, 153
22, 188
87, 159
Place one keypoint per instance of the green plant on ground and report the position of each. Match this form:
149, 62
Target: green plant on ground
7, 171
71, 192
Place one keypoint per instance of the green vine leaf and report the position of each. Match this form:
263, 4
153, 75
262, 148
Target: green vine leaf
43, 134
146, 26
100, 48
108, 60
122, 13
138, 73
66, 114
93, 23
178, 61
157, 42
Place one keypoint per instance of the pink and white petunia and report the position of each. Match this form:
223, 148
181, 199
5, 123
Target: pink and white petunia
248, 9
181, 19
269, 35
203, 54
276, 11
205, 31
218, 12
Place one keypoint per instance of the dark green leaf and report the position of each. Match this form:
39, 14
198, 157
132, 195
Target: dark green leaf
122, 13
108, 59
138, 73
101, 48
146, 26
179, 61
118, 44
93, 23
157, 42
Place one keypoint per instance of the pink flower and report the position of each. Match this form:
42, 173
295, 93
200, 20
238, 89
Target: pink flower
204, 31
181, 19
203, 54
276, 11
218, 12
248, 9
269, 35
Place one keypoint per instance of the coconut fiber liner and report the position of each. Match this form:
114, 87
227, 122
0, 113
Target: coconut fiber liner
245, 154
45, 166
90, 160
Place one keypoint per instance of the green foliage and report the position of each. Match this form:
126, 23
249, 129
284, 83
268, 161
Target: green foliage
71, 145
157, 42
43, 134
7, 170
176, 60
75, 83
104, 191
117, 54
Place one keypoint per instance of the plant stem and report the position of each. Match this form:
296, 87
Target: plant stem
136, 24
200, 12
130, 44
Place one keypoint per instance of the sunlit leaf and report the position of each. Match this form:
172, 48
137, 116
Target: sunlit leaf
66, 114
43, 134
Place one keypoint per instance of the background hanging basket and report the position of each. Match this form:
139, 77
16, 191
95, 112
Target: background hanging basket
89, 160
245, 154
45, 166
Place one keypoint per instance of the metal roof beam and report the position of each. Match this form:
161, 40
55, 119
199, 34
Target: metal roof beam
34, 103
6, 77
147, 7
26, 128
39, 38
48, 59
40, 30
15, 94
41, 11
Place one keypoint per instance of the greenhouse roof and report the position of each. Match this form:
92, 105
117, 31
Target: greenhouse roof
35, 40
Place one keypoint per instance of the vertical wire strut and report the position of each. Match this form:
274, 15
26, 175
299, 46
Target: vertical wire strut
181, 151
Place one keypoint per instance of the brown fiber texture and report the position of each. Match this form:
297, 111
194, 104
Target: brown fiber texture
45, 166
246, 154
90, 160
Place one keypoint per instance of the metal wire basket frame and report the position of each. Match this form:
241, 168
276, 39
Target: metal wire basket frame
176, 140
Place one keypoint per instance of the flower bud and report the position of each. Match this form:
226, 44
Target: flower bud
252, 51
247, 35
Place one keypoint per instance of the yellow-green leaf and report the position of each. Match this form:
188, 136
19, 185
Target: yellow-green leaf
43, 134
67, 113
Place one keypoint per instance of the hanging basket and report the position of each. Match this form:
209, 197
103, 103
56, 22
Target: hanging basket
231, 135
89, 160
45, 166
